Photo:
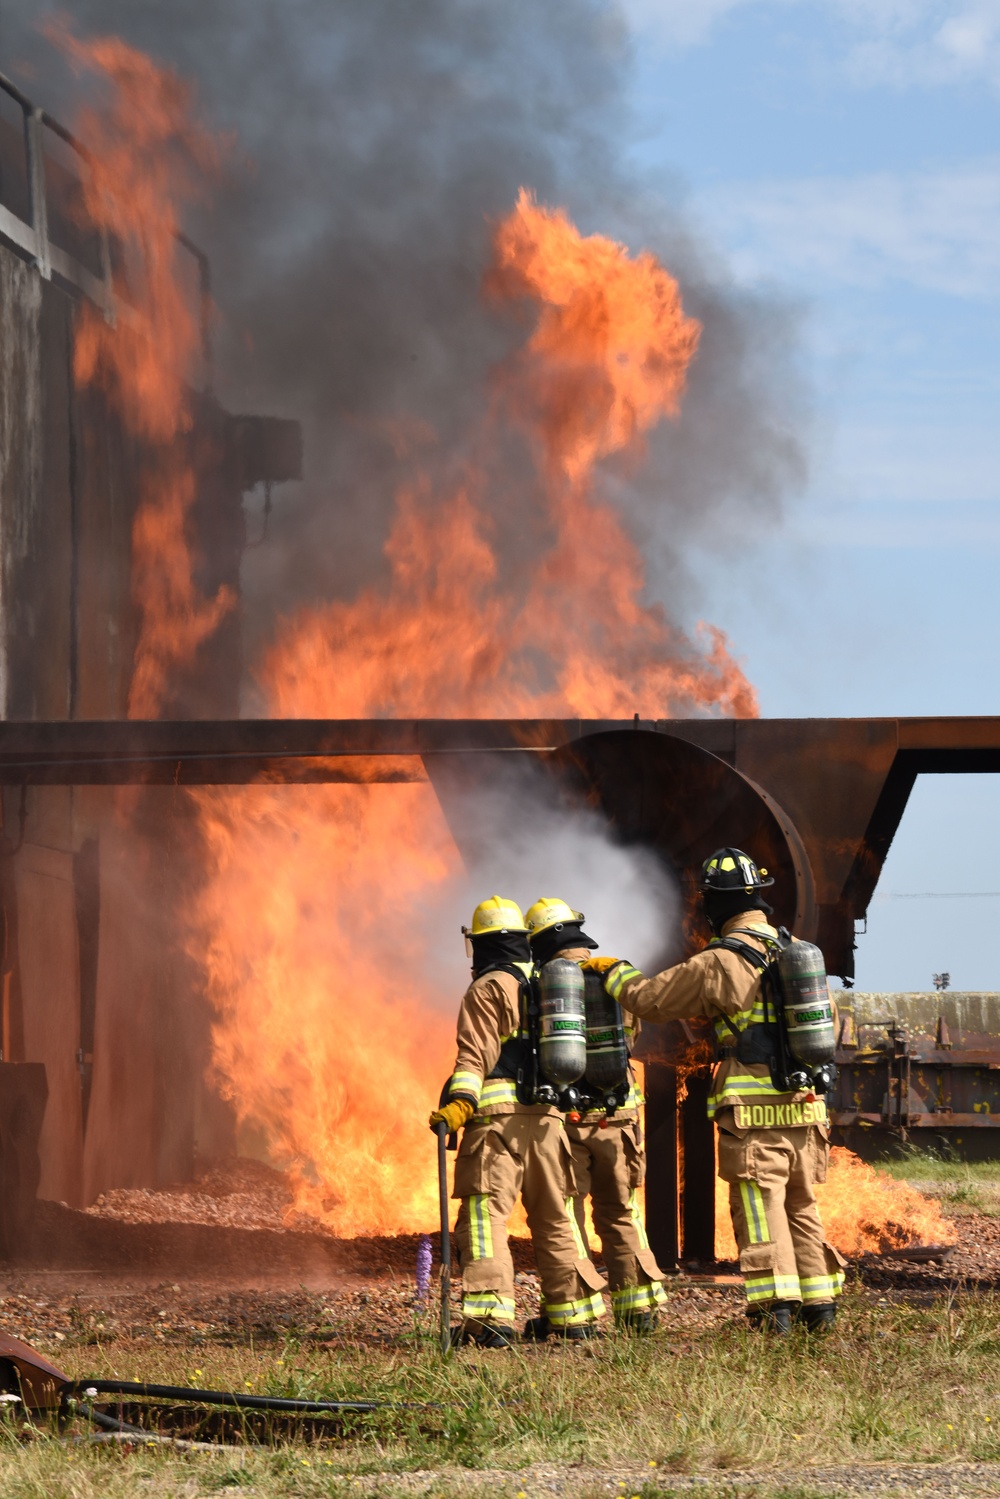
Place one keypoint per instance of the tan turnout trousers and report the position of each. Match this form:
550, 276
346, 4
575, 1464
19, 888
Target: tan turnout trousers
528, 1155
771, 1173
770, 1170
610, 1167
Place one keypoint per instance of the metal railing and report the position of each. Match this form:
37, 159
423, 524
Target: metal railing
32, 237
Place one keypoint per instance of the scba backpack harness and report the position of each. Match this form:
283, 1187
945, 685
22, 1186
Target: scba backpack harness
791, 1028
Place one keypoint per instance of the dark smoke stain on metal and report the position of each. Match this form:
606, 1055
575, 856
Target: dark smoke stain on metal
684, 802
817, 801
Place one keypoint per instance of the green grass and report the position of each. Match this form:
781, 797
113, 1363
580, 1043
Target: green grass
893, 1384
963, 1186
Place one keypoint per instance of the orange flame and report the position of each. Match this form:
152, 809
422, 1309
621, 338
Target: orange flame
863, 1210
147, 158
328, 1036
606, 360
330, 1032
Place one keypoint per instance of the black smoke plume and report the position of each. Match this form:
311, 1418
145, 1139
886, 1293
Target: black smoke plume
374, 143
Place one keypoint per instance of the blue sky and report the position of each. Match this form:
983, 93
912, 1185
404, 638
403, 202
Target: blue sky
846, 153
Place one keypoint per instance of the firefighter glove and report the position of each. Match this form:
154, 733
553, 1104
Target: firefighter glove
600, 965
454, 1115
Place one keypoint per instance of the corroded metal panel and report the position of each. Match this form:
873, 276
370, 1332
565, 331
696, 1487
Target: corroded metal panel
919, 1061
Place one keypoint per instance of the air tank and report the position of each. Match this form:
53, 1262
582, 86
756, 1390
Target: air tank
808, 1008
562, 1040
607, 1052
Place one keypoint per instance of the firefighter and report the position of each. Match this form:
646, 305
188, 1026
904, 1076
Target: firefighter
773, 1146
510, 1148
607, 1152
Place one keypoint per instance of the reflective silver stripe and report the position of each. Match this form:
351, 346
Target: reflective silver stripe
770, 1287
480, 1227
753, 1212
467, 1083
497, 1090
567, 1313
487, 1306
618, 977
578, 1239
639, 1298
738, 1083
637, 1219
822, 1287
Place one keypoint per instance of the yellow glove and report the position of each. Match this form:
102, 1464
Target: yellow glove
453, 1115
600, 965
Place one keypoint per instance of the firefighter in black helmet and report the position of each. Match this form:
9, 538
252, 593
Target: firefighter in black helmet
773, 1145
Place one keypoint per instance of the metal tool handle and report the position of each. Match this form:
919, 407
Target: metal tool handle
442, 1142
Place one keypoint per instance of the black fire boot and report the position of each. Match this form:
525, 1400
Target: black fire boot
640, 1324
773, 1316
488, 1335
577, 1332
536, 1330
820, 1316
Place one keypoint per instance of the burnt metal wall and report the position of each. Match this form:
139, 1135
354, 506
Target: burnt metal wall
93, 986
919, 1062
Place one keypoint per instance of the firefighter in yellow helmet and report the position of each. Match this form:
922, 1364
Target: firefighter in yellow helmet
607, 1149
773, 1145
510, 1147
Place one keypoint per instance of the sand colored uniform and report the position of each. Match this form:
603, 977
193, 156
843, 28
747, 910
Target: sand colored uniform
773, 1146
512, 1150
610, 1162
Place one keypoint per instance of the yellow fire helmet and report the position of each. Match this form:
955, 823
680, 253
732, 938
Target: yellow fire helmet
495, 915
548, 911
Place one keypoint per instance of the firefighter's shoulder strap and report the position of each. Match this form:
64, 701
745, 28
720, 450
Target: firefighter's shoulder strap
756, 958
752, 955
516, 973
512, 1048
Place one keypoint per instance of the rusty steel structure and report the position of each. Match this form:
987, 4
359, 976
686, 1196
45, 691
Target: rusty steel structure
818, 800
918, 1062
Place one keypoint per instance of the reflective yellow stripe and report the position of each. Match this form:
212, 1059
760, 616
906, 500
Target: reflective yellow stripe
739, 1084
567, 1313
756, 1015
497, 1090
779, 1115
639, 1298
637, 1219
581, 1247
616, 980
753, 1212
822, 1287
770, 1287
487, 1306
480, 1227
467, 1083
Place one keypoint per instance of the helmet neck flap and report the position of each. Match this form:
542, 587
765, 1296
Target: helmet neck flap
553, 940
491, 948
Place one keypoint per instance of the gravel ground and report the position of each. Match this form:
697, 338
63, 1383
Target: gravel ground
187, 1265
56, 1308
911, 1481
242, 1270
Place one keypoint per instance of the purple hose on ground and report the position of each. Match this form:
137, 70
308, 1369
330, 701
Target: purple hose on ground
423, 1267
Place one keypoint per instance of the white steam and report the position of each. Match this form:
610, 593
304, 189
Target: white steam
519, 841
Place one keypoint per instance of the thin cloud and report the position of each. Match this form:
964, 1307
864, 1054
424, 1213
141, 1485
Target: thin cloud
898, 43
939, 230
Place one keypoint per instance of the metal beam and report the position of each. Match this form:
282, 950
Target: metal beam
235, 751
